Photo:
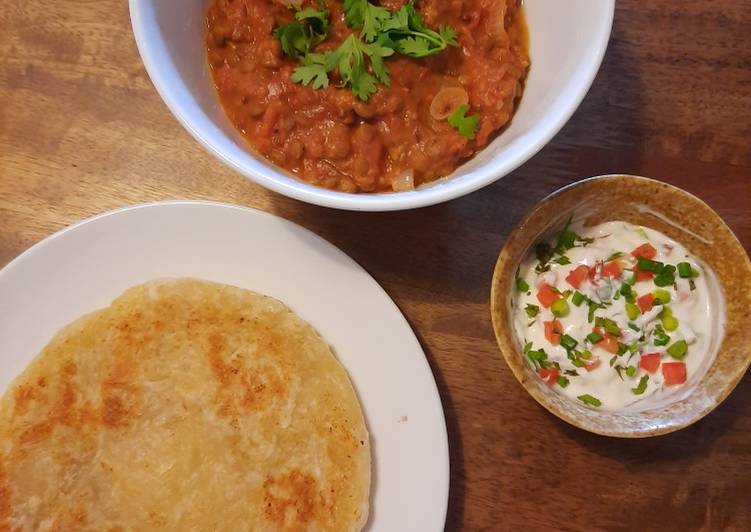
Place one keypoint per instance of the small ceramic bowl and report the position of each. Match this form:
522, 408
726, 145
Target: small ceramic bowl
682, 217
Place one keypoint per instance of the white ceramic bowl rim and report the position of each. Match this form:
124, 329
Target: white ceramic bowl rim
517, 152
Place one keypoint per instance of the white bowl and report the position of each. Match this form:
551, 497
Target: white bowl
567, 42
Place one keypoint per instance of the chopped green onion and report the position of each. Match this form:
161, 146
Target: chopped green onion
609, 325
633, 327
666, 277
527, 347
592, 309
559, 308
633, 347
522, 285
588, 399
631, 371
594, 337
678, 349
686, 271
578, 363
571, 373
622, 348
668, 320
578, 298
650, 265
531, 310
692, 284
586, 355
562, 260
632, 311
661, 297
641, 232
562, 381
642, 386
632, 280
568, 342
612, 361
538, 357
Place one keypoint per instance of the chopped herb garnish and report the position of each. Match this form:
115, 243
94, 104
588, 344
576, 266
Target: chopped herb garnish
578, 363
586, 354
686, 271
612, 361
382, 33
571, 373
633, 347
560, 308
642, 386
522, 285
659, 338
466, 125
578, 298
609, 325
678, 349
631, 371
562, 260
527, 347
692, 284
562, 381
594, 337
622, 348
590, 400
531, 310
616, 255
633, 327
568, 342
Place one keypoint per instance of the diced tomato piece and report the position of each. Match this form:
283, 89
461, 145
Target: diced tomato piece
553, 331
547, 296
643, 275
609, 344
577, 276
674, 373
612, 269
650, 362
590, 366
645, 251
645, 302
549, 375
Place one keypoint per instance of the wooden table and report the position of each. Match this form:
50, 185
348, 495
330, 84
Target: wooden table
83, 131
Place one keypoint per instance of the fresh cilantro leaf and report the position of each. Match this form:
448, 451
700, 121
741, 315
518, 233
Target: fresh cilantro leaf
362, 14
313, 70
294, 38
466, 125
317, 19
449, 35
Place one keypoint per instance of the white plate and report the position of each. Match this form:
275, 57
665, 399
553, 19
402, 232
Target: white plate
86, 266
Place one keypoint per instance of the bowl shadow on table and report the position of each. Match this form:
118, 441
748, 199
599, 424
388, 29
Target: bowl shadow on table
696, 440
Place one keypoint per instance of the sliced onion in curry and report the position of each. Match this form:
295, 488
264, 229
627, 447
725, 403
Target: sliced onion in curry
447, 101
404, 181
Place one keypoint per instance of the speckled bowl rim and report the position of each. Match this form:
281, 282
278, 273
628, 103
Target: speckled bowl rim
508, 345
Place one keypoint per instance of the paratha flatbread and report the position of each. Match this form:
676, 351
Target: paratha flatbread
185, 405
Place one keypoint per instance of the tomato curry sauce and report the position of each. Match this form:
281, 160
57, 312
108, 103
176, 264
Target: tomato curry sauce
400, 137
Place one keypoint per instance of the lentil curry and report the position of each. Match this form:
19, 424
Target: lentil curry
284, 70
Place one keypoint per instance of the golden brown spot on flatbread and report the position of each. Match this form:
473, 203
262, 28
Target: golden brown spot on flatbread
251, 388
292, 500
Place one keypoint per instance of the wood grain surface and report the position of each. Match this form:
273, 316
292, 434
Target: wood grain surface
83, 131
